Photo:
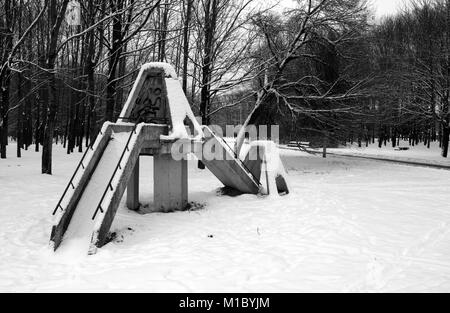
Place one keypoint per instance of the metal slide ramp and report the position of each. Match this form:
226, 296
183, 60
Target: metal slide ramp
228, 168
87, 208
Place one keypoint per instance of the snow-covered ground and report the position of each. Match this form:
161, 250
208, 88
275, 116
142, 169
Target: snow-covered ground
418, 153
348, 225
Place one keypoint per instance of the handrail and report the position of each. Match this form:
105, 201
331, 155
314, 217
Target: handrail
148, 121
124, 118
109, 186
80, 164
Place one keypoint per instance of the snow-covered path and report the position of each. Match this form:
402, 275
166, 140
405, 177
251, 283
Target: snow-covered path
348, 225
415, 154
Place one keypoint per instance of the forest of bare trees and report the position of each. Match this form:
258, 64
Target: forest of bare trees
412, 59
324, 68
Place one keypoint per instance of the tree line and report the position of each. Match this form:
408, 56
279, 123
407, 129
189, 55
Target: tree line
412, 58
323, 67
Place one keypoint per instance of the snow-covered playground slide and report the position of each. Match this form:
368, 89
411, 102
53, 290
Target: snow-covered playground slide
86, 210
80, 229
89, 204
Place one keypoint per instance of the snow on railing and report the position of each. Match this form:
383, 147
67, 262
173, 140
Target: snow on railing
80, 164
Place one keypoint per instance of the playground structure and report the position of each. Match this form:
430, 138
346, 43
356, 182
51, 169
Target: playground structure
152, 121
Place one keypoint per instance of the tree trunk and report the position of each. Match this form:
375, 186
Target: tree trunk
19, 126
251, 118
446, 105
163, 33
55, 19
325, 145
186, 43
4, 106
37, 127
210, 28
91, 102
49, 128
5, 75
114, 57
394, 138
445, 139
89, 72
121, 73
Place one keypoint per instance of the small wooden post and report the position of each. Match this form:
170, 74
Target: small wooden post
170, 183
133, 189
325, 145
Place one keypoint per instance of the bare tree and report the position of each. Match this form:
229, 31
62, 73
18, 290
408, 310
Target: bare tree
411, 52
325, 22
223, 47
121, 33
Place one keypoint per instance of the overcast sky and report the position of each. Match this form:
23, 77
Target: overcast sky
386, 7
382, 7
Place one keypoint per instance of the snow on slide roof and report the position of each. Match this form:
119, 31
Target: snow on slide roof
169, 71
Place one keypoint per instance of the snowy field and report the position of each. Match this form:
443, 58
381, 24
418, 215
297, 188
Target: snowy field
348, 225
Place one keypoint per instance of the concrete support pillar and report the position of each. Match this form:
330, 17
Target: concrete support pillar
133, 189
170, 183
